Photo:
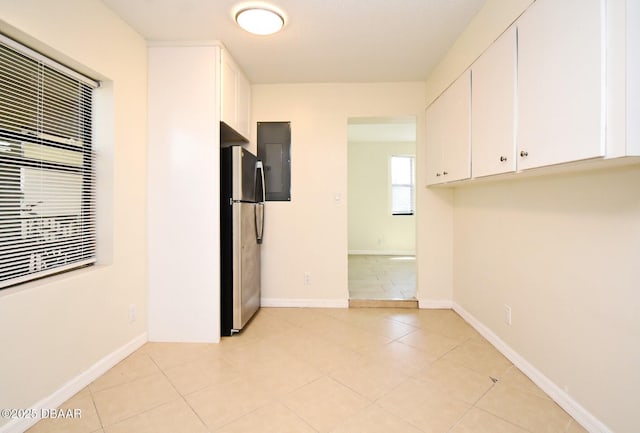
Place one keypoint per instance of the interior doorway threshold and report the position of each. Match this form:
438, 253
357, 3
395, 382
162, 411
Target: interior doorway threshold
383, 303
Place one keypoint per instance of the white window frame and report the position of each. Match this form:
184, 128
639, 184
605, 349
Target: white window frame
411, 185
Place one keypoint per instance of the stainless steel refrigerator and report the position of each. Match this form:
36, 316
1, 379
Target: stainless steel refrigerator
242, 225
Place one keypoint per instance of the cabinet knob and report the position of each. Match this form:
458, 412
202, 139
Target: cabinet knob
523, 153
503, 158
437, 174
444, 173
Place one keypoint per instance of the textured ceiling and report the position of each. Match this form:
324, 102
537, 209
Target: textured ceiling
323, 41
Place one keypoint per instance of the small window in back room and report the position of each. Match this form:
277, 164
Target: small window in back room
402, 185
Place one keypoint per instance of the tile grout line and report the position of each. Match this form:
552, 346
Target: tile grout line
491, 388
178, 392
473, 405
324, 375
126, 383
129, 381
95, 407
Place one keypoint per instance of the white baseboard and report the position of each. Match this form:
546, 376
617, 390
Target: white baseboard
75, 385
434, 304
381, 253
564, 400
304, 303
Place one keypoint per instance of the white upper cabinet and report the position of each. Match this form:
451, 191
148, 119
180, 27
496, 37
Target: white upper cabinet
561, 82
561, 85
235, 96
448, 134
228, 91
243, 107
632, 75
493, 107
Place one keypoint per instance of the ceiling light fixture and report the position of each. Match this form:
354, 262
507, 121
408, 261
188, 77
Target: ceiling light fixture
260, 20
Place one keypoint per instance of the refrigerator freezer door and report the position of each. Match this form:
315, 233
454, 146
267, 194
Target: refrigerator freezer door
246, 269
244, 182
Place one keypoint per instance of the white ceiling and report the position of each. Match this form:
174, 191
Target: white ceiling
323, 41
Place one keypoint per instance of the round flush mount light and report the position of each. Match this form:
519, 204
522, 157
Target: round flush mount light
260, 20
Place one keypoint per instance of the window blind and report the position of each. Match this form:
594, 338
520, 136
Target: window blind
47, 181
402, 185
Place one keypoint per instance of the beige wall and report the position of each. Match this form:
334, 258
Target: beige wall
372, 228
562, 251
57, 328
309, 234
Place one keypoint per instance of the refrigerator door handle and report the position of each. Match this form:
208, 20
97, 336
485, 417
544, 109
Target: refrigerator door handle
259, 209
260, 205
260, 168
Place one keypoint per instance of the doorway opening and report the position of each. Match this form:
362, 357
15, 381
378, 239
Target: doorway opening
381, 209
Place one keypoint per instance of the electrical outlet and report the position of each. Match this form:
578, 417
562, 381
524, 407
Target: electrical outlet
507, 314
307, 278
132, 313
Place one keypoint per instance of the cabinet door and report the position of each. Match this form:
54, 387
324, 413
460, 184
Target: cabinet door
560, 82
448, 133
633, 79
236, 96
243, 105
435, 141
493, 108
228, 105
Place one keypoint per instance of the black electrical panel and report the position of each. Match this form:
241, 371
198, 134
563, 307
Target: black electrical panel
274, 150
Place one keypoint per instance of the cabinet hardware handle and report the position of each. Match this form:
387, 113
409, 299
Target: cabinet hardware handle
437, 174
444, 173
503, 158
523, 153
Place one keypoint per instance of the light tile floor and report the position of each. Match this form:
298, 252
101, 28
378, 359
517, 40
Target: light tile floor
382, 277
320, 370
